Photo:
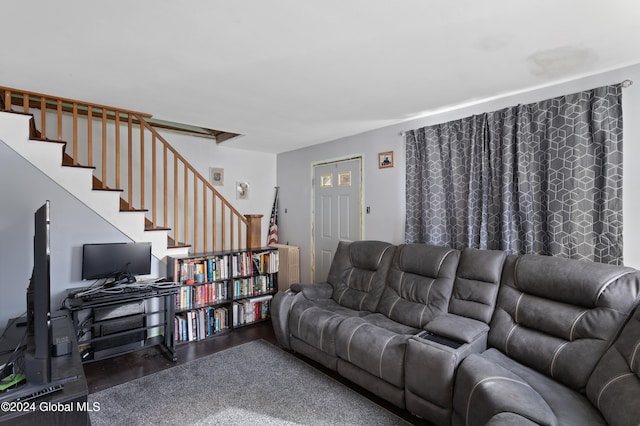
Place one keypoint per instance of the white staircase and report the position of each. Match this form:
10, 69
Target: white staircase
78, 181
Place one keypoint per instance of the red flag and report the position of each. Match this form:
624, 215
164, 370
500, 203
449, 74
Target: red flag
272, 237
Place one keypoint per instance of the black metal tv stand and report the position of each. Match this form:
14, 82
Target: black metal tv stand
123, 319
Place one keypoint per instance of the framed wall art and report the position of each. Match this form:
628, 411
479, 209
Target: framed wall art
216, 176
242, 190
385, 159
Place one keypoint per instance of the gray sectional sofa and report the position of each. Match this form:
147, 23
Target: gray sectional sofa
474, 337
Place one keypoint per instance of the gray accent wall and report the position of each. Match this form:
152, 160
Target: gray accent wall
23, 189
384, 188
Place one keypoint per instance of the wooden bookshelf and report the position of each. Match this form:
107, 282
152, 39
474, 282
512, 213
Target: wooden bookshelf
221, 291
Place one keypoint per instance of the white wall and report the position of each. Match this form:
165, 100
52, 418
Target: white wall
384, 188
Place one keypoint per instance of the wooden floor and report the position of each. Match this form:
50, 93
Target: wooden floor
114, 371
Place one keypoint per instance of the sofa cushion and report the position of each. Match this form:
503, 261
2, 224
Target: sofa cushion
509, 419
358, 272
315, 322
589, 302
614, 386
457, 328
475, 288
382, 321
491, 383
374, 349
419, 284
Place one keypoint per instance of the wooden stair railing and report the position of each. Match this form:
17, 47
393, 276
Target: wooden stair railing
129, 155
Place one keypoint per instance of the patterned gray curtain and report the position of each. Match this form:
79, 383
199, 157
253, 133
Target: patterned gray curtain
543, 178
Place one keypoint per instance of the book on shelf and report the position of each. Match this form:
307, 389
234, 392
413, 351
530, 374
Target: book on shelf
198, 324
246, 311
253, 286
209, 268
265, 262
197, 295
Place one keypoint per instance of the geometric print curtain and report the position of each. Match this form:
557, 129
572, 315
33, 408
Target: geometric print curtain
542, 178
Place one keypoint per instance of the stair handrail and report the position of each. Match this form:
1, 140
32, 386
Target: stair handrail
47, 104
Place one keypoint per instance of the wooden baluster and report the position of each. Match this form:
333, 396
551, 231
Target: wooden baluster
154, 216
213, 221
59, 111
75, 132
223, 227
195, 213
239, 231
186, 204
118, 151
231, 234
205, 218
25, 103
104, 148
43, 117
175, 199
130, 160
89, 139
141, 166
164, 184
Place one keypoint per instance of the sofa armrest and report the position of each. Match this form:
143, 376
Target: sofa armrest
313, 291
280, 310
456, 327
431, 362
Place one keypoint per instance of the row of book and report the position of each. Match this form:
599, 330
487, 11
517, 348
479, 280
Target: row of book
250, 263
208, 269
200, 323
196, 295
190, 271
247, 311
253, 286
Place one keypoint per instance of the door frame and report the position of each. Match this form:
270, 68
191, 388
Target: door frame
360, 157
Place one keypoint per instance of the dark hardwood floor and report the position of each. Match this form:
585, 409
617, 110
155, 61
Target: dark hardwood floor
114, 371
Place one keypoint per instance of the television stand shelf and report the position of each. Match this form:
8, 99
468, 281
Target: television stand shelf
112, 324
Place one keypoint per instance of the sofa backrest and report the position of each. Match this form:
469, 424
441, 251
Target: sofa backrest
475, 288
358, 271
614, 386
558, 316
419, 283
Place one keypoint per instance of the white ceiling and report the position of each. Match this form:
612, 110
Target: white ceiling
292, 73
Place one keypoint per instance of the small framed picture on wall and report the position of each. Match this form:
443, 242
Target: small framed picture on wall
385, 159
216, 176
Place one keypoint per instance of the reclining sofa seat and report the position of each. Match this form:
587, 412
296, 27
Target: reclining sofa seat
371, 348
306, 318
554, 320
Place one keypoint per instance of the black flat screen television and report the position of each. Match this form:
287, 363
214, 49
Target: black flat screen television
28, 367
38, 351
119, 261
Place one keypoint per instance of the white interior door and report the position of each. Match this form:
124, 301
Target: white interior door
337, 210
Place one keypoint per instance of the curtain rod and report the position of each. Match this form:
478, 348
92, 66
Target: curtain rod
624, 83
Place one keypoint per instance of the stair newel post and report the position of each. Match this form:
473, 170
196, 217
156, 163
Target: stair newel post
7, 100
254, 230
